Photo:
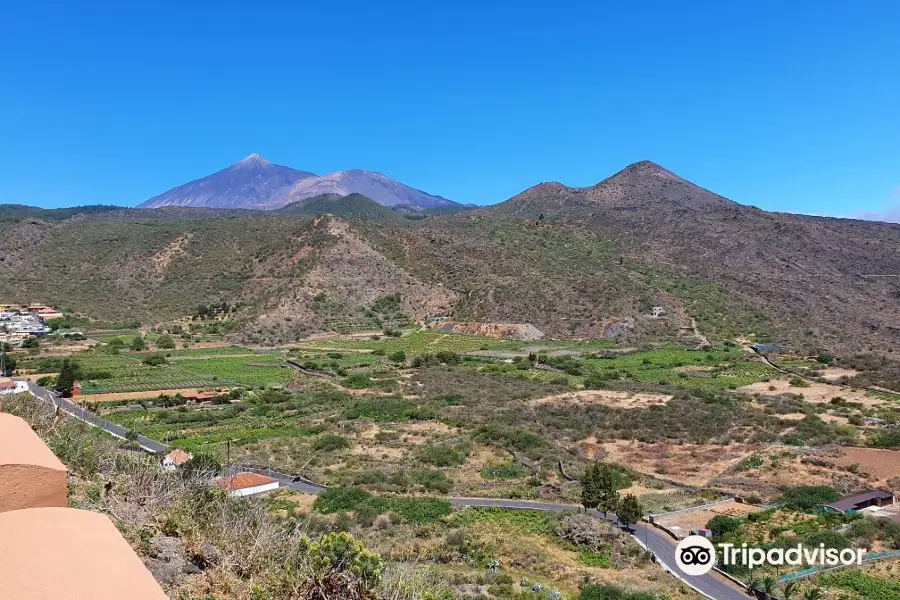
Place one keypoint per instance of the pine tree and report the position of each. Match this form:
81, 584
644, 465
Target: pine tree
609, 495
65, 382
630, 510
591, 494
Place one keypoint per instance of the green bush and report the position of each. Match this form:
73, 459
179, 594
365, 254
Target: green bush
433, 481
155, 360
387, 409
809, 498
593, 591
330, 443
722, 525
441, 455
595, 559
357, 381
338, 499
888, 438
413, 510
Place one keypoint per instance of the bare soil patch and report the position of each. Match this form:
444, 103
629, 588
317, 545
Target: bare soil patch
883, 464
683, 523
688, 464
816, 393
136, 395
834, 373
605, 397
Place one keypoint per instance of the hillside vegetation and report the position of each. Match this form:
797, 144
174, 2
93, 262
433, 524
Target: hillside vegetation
573, 262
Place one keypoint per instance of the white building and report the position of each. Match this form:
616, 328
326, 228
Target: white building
11, 386
175, 459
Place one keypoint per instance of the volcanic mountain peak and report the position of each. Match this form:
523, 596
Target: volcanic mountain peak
255, 183
252, 160
372, 184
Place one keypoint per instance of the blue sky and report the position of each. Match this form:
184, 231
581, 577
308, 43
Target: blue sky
784, 105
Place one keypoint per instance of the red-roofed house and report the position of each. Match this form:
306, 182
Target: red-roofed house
248, 484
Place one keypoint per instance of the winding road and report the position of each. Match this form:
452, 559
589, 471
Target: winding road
660, 544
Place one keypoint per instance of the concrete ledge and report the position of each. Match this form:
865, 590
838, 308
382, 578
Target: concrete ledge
68, 553
30, 474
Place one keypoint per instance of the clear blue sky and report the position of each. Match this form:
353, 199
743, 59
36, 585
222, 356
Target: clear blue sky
784, 105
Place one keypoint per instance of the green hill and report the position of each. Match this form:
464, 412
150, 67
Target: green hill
352, 206
18, 212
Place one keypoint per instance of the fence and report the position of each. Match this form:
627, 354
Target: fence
870, 556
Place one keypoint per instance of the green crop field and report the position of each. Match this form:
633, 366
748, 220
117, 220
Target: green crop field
255, 371
193, 368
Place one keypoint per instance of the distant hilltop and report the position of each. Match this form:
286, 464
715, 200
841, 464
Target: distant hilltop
257, 184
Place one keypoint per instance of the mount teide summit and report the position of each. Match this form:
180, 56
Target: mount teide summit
255, 183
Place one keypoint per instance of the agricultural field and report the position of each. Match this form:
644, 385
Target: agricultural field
102, 372
252, 371
409, 415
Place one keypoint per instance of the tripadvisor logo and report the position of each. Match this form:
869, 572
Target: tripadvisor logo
696, 555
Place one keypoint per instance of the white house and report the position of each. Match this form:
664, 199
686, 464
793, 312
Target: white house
248, 484
10, 386
175, 459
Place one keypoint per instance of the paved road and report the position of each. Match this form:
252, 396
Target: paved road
657, 542
92, 419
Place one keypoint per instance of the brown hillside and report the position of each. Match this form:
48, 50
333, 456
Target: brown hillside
809, 274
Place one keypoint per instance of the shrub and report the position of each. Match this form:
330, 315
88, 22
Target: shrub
798, 382
414, 510
888, 438
330, 443
339, 499
593, 591
433, 481
808, 498
585, 531
722, 525
399, 356
595, 559
357, 381
155, 360
385, 409
441, 455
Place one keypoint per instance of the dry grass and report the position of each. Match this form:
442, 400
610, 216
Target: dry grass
604, 397
816, 393
689, 464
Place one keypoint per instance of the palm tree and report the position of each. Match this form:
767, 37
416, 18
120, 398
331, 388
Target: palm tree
813, 594
768, 585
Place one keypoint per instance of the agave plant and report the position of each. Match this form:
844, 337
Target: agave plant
813, 594
789, 590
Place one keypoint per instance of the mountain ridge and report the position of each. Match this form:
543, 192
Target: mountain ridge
593, 266
257, 184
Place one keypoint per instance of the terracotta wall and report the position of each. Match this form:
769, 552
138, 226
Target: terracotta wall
31, 476
30, 486
50, 551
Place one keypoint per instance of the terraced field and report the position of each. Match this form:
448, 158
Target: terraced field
191, 368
